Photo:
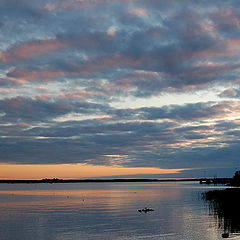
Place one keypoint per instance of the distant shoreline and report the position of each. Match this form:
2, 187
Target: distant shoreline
56, 180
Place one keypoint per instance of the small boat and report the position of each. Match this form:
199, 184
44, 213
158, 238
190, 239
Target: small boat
225, 235
146, 210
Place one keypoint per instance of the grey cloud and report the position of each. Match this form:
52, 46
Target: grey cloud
187, 112
153, 144
6, 83
27, 109
230, 93
226, 125
227, 19
23, 9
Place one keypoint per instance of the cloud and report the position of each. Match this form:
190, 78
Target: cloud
21, 76
27, 109
159, 145
23, 9
184, 137
65, 64
43, 47
30, 49
189, 112
189, 54
230, 93
227, 19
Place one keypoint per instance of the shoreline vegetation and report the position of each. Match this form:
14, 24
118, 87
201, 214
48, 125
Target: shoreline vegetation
224, 205
57, 180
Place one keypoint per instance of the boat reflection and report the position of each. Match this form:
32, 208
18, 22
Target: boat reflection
224, 206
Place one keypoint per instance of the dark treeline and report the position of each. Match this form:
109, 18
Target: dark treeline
57, 180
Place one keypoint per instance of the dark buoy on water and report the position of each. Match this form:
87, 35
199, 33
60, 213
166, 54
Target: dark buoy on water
225, 235
146, 210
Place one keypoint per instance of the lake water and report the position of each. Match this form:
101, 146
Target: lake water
107, 211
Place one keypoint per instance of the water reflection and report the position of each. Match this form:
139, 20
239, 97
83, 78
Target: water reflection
224, 205
104, 211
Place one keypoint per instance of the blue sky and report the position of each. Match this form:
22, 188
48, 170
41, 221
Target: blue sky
132, 83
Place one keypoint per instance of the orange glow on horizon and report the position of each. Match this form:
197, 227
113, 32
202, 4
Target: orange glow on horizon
74, 171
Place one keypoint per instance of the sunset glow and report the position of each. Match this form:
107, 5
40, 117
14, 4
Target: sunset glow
74, 171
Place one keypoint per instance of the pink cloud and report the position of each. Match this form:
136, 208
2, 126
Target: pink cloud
233, 42
116, 60
42, 88
31, 49
8, 90
207, 26
76, 95
37, 48
226, 18
44, 96
68, 95
23, 124
138, 11
21, 76
16, 102
222, 50
72, 4
111, 31
80, 4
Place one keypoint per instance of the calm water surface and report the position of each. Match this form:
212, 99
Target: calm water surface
106, 211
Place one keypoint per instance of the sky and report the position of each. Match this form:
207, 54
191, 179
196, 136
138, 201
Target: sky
119, 87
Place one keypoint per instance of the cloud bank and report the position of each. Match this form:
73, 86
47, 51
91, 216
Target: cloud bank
71, 72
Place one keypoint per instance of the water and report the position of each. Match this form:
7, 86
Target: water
106, 211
